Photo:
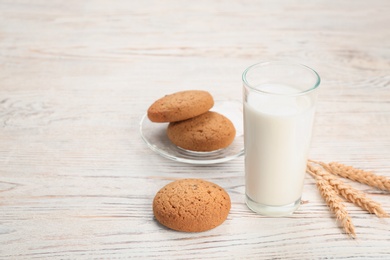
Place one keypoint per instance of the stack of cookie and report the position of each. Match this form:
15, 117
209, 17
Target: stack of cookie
192, 126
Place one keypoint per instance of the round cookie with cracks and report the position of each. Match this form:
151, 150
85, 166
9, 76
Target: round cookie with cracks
207, 132
180, 106
191, 205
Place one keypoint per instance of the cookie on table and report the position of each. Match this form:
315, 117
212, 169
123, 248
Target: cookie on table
180, 106
191, 205
207, 132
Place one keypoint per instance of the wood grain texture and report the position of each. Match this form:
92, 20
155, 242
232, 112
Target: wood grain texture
76, 179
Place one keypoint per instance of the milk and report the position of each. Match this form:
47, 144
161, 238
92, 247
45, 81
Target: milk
277, 133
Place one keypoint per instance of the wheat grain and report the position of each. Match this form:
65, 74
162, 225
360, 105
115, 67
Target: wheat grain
336, 205
348, 192
359, 175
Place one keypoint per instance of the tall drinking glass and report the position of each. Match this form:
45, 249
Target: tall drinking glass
279, 104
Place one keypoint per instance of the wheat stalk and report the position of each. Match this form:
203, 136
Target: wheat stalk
348, 192
336, 205
359, 175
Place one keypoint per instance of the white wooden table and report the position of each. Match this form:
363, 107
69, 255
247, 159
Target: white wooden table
76, 179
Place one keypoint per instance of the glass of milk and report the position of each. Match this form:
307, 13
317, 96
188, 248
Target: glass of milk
279, 103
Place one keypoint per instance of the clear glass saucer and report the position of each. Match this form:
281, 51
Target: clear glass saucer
155, 136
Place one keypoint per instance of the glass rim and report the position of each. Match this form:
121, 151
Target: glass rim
261, 64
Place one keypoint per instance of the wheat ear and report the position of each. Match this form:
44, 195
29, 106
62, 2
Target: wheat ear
348, 192
359, 175
336, 205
